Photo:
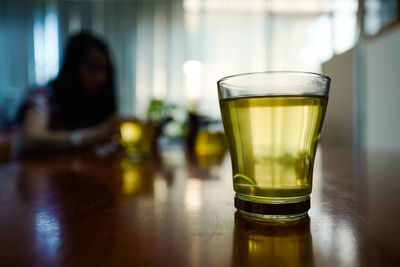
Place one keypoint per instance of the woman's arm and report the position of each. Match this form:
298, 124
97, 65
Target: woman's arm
37, 136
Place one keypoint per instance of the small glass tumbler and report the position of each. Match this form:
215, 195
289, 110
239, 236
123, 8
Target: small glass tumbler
138, 138
273, 123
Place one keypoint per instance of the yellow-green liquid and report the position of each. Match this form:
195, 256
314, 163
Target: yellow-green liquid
272, 142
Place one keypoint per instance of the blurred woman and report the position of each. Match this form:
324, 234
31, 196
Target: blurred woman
75, 110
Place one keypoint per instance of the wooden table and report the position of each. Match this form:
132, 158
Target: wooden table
177, 210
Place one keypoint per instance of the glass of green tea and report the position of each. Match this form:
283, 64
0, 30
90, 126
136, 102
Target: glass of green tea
273, 123
137, 136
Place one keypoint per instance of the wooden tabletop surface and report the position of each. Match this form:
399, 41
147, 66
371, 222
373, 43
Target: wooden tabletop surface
177, 210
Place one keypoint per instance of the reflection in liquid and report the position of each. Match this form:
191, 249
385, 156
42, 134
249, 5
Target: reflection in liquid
258, 243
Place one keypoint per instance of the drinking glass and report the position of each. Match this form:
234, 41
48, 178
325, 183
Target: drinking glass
137, 136
273, 122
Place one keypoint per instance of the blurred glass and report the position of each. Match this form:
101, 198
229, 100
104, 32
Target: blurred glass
138, 138
210, 143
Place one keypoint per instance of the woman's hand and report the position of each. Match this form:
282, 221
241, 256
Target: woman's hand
101, 133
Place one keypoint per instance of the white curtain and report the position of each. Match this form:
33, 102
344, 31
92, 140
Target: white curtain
174, 50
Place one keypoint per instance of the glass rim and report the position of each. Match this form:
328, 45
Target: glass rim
304, 73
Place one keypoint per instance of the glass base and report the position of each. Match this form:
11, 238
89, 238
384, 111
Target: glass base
272, 200
274, 218
273, 212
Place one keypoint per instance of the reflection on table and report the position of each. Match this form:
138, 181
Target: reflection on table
258, 243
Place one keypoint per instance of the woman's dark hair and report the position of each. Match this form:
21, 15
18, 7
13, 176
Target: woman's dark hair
70, 106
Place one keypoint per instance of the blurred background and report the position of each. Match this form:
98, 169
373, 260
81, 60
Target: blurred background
174, 51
